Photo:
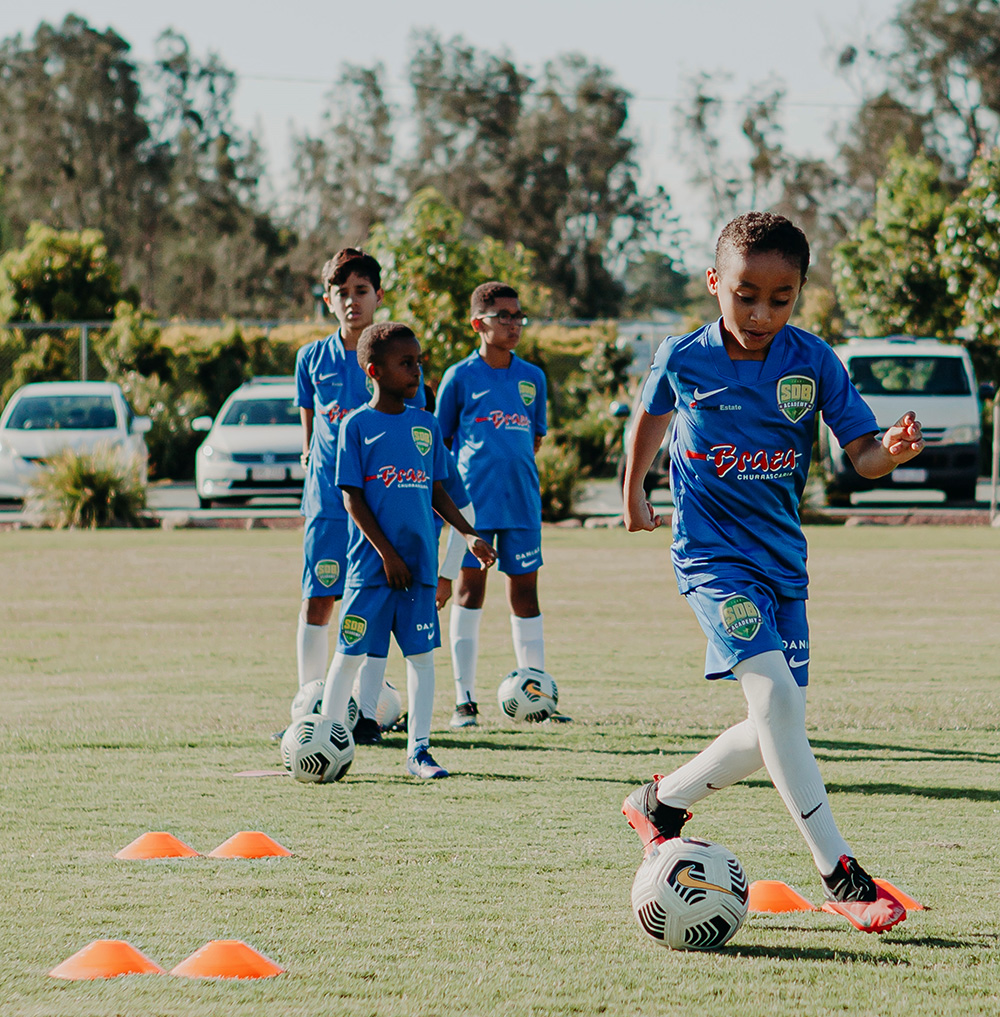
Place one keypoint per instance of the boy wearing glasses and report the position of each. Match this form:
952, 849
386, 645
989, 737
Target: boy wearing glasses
491, 410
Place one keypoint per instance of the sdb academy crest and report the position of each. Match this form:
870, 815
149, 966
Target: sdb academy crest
422, 439
796, 396
527, 391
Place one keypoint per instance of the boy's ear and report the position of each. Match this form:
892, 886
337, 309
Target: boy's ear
712, 279
477, 325
379, 294
371, 369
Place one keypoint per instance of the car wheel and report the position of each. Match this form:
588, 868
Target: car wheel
205, 503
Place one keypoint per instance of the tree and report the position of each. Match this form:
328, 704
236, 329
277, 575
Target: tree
345, 181
969, 249
888, 277
430, 266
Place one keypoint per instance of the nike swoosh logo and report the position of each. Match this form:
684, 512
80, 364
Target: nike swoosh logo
368, 441
798, 663
323, 377
479, 395
806, 815
712, 787
698, 394
685, 878
528, 564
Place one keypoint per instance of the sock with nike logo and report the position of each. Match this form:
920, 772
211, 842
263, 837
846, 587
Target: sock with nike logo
777, 709
529, 641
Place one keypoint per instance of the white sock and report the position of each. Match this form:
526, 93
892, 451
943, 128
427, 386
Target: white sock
344, 669
312, 650
529, 641
370, 685
732, 757
777, 709
420, 696
463, 631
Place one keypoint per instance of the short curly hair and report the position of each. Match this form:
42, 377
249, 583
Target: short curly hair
487, 294
376, 339
763, 233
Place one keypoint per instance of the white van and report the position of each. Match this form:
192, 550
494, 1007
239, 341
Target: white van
934, 379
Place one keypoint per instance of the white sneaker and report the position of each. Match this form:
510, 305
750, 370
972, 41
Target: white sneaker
421, 764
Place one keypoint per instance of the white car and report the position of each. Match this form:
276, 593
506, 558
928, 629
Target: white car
253, 446
42, 419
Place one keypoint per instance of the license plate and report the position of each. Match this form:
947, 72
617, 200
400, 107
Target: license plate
904, 476
267, 473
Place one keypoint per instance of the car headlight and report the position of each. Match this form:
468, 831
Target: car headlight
217, 455
964, 435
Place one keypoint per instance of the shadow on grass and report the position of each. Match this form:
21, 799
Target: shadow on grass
970, 794
911, 753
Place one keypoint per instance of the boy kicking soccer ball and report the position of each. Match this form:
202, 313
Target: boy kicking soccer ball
745, 390
390, 466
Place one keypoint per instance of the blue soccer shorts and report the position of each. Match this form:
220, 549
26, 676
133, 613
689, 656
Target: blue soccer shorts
742, 620
518, 551
370, 614
324, 557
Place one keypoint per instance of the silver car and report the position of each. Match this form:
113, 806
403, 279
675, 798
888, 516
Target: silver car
253, 446
44, 418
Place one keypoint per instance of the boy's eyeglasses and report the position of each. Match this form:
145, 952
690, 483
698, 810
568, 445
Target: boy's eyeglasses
504, 318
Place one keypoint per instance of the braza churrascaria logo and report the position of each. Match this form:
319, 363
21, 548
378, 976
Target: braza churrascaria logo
527, 391
796, 396
741, 617
422, 439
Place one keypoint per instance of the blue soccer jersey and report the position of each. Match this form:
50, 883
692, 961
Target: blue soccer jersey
330, 383
394, 458
740, 450
493, 415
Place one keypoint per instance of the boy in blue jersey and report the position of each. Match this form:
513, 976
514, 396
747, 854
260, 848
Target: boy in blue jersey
391, 463
745, 391
330, 385
491, 408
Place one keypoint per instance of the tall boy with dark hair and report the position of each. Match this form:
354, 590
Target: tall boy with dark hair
745, 391
491, 408
330, 385
391, 463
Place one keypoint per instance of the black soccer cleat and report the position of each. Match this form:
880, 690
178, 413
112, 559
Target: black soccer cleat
854, 895
367, 731
653, 821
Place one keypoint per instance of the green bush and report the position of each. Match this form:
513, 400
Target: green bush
87, 491
560, 478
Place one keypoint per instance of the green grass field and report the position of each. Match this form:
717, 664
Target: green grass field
140, 672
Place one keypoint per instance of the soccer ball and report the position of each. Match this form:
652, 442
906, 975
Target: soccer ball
387, 712
317, 749
690, 895
309, 699
528, 693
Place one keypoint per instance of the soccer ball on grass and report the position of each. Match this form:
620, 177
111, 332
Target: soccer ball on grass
316, 749
390, 705
690, 894
528, 693
309, 699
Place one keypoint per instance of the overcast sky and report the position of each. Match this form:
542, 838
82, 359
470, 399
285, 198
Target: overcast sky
286, 53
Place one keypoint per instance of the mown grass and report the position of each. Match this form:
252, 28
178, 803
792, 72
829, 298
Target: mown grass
140, 672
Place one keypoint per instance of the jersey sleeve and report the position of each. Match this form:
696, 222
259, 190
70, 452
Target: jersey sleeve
303, 380
657, 393
843, 409
349, 467
440, 455
447, 409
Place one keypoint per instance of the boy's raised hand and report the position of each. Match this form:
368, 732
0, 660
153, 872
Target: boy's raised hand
904, 439
483, 551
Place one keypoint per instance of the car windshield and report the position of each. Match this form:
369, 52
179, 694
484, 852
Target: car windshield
912, 376
255, 412
63, 412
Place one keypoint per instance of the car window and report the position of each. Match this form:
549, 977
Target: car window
261, 411
909, 375
63, 412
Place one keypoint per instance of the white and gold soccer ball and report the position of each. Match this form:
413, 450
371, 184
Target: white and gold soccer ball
388, 710
309, 699
690, 894
316, 749
528, 693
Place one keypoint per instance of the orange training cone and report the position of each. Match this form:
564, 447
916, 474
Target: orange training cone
249, 844
774, 896
156, 845
227, 958
105, 958
905, 899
